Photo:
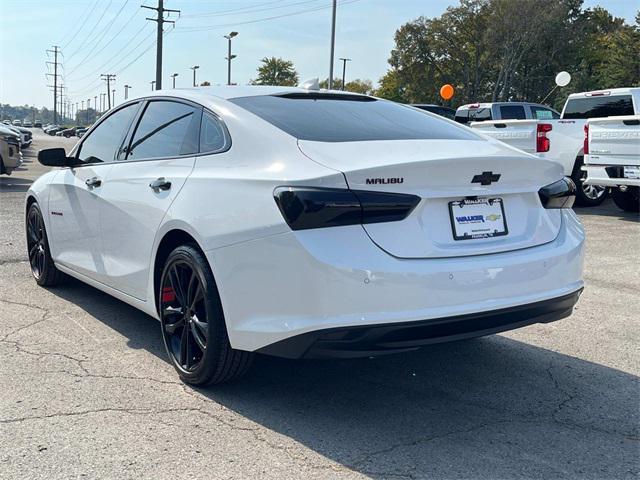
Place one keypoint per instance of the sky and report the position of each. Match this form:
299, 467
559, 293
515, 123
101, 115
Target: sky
112, 36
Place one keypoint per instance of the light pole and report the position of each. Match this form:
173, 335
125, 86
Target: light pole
173, 77
333, 43
126, 91
344, 69
95, 107
229, 56
194, 68
153, 83
113, 96
88, 102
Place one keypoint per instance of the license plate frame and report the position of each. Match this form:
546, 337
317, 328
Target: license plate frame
478, 208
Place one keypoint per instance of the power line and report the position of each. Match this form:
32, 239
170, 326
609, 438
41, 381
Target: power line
116, 35
224, 25
246, 10
102, 35
86, 17
91, 31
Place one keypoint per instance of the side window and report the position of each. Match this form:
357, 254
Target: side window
105, 141
166, 129
512, 112
541, 113
212, 134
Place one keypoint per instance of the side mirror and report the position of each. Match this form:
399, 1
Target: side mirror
55, 157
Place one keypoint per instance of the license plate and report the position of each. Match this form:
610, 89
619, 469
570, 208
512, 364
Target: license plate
479, 218
632, 172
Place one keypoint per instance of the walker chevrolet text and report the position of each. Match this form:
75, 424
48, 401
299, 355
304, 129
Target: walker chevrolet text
304, 223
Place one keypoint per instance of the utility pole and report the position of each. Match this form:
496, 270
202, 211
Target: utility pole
76, 112
95, 107
160, 21
88, 100
229, 56
333, 43
126, 91
55, 51
113, 92
173, 76
194, 68
344, 70
108, 77
152, 82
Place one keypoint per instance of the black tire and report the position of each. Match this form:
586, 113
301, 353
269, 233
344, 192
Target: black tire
187, 295
628, 201
42, 267
2, 171
587, 195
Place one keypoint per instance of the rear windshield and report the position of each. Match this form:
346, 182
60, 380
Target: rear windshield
345, 118
596, 107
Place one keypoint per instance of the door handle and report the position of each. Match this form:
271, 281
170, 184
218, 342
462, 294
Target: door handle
93, 182
160, 184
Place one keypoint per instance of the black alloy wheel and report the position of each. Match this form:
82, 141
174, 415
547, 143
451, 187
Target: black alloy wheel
42, 267
192, 321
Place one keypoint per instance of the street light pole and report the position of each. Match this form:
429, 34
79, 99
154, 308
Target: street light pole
152, 82
333, 43
194, 68
126, 91
114, 96
173, 76
344, 70
88, 102
229, 56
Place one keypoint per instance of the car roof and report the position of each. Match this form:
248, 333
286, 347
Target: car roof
490, 104
228, 92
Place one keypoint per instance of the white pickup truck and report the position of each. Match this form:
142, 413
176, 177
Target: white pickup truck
563, 139
612, 158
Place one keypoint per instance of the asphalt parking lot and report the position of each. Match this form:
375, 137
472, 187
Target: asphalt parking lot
86, 390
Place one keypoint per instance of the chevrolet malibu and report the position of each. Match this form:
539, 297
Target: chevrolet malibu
304, 223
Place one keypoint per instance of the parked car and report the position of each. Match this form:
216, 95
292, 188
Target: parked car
612, 158
81, 131
25, 136
481, 112
67, 132
437, 109
562, 140
37, 125
27, 125
10, 155
53, 129
303, 223
7, 122
17, 123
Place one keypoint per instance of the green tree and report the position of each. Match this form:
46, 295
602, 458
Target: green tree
357, 86
276, 71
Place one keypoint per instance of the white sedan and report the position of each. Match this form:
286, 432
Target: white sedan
304, 223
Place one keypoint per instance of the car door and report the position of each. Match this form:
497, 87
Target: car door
141, 187
76, 195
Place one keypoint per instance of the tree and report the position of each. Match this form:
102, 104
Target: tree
276, 71
357, 86
205, 84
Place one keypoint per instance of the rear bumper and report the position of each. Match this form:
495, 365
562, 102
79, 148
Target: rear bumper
608, 176
290, 284
363, 341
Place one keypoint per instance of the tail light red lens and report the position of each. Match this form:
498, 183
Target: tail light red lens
586, 139
542, 142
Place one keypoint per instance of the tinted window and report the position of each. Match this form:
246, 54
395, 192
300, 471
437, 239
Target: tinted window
212, 134
105, 141
473, 115
167, 129
595, 107
541, 113
347, 118
512, 112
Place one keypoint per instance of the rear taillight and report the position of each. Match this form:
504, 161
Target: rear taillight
585, 147
560, 194
309, 207
542, 142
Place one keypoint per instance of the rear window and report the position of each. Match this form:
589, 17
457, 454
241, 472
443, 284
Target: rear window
348, 118
512, 112
473, 115
596, 107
